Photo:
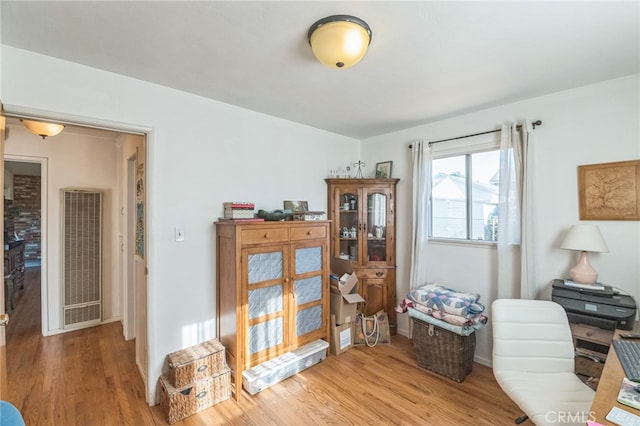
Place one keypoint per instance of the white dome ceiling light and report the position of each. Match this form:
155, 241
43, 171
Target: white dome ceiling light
339, 41
42, 128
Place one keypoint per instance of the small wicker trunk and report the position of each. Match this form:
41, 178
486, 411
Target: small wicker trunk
196, 362
443, 351
178, 403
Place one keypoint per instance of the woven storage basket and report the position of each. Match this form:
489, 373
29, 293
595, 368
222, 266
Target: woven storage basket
443, 351
178, 403
196, 362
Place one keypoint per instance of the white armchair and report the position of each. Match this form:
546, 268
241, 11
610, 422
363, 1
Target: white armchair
533, 362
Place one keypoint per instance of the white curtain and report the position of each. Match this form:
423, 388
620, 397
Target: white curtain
421, 211
516, 230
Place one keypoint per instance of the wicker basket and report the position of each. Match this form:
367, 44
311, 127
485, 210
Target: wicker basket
178, 403
443, 351
189, 365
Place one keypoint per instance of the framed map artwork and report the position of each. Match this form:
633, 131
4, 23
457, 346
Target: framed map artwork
609, 191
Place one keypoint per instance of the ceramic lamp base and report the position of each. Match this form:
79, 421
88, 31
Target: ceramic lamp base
583, 272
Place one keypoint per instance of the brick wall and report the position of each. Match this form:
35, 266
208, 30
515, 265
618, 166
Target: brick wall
26, 196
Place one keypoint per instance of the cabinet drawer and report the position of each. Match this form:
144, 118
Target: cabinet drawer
592, 334
264, 235
308, 233
588, 366
372, 273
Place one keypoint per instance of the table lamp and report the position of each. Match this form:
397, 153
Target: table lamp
584, 238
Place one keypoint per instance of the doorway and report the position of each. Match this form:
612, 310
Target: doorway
25, 222
121, 272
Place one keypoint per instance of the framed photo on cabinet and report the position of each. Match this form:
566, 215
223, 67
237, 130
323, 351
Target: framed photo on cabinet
383, 170
296, 206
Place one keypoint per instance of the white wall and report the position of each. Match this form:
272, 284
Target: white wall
592, 124
200, 154
79, 162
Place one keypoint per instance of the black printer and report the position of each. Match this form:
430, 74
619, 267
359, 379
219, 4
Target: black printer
606, 309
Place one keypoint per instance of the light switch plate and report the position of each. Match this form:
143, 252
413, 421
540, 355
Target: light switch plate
179, 234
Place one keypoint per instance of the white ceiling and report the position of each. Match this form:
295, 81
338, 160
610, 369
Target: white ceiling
427, 61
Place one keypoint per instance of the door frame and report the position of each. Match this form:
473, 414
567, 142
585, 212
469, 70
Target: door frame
127, 248
147, 133
3, 339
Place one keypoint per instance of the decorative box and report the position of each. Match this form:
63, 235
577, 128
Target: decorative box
196, 362
178, 403
309, 215
238, 210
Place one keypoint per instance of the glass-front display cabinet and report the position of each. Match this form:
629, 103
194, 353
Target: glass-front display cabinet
362, 212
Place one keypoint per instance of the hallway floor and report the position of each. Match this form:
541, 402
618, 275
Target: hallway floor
83, 377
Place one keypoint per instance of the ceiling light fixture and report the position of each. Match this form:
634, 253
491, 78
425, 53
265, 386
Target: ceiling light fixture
339, 41
42, 128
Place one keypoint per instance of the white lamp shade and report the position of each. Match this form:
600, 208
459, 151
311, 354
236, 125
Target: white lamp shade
42, 128
585, 238
339, 41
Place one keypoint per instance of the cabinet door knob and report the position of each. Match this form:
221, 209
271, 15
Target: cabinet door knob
379, 274
309, 233
266, 235
589, 333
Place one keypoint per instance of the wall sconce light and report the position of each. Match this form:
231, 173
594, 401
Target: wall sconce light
339, 41
584, 238
42, 128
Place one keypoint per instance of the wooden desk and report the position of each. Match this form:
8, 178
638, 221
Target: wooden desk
609, 386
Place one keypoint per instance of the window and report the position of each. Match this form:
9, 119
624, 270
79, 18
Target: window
464, 195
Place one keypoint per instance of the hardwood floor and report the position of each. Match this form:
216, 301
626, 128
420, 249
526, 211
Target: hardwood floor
88, 377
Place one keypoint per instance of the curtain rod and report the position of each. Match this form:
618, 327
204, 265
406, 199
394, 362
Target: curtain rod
534, 124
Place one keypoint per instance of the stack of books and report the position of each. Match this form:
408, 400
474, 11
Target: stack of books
240, 211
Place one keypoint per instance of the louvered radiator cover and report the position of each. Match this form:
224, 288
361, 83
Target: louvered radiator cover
82, 258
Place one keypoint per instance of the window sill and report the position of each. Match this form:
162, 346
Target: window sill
469, 243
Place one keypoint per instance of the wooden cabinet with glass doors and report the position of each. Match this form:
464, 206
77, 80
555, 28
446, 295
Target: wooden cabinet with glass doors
362, 213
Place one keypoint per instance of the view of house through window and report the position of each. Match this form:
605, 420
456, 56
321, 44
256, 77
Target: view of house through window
464, 196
